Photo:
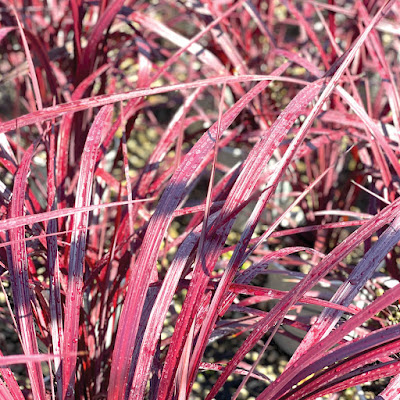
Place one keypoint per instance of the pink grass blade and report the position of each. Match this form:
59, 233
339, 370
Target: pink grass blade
75, 9
296, 58
65, 133
4, 392
126, 171
6, 361
393, 92
155, 232
252, 11
155, 322
46, 216
279, 294
219, 367
183, 368
196, 38
391, 392
10, 381
18, 269
204, 55
182, 375
32, 72
310, 32
221, 37
17, 222
77, 252
101, 100
166, 141
373, 128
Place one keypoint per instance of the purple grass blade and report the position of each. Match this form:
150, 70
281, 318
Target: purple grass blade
57, 331
77, 252
18, 269
286, 380
346, 364
367, 374
349, 289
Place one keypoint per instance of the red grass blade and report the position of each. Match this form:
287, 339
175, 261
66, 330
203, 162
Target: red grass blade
78, 244
65, 133
17, 222
10, 381
89, 53
101, 100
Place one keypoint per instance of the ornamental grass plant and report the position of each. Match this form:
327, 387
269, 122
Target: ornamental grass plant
167, 167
